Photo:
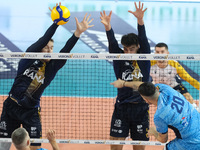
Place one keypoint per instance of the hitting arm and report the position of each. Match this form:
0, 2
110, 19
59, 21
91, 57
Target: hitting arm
121, 83
159, 136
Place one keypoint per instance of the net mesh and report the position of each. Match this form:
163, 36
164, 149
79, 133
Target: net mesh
79, 102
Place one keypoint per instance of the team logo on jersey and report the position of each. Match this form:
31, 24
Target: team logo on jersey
3, 125
184, 121
139, 129
34, 75
118, 123
33, 131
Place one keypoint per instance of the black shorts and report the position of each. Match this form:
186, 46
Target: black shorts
13, 116
181, 88
130, 117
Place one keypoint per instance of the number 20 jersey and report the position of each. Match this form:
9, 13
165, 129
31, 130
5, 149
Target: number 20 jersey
174, 111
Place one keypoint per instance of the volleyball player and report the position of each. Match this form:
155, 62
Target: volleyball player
21, 139
173, 111
169, 72
33, 76
131, 111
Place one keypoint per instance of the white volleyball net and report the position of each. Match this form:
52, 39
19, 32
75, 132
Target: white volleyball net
79, 102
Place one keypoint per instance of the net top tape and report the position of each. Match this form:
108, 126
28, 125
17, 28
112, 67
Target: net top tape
100, 56
107, 142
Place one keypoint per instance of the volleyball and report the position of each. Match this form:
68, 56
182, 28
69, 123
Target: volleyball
60, 15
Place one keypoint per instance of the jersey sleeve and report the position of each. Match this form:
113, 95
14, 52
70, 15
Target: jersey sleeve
66, 49
185, 76
143, 41
43, 41
69, 44
161, 126
113, 45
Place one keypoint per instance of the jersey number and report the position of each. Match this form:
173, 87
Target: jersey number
177, 104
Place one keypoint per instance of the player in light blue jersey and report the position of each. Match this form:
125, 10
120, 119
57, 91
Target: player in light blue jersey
173, 111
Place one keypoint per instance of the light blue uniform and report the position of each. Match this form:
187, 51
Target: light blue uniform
175, 111
42, 149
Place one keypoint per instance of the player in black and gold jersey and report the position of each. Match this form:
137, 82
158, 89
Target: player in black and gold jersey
33, 76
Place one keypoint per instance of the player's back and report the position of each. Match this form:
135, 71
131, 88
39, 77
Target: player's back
176, 111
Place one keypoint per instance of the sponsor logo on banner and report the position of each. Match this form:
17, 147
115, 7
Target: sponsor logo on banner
74, 142
125, 57
174, 57
135, 143
65, 56
122, 143
64, 141
30, 55
86, 142
157, 143
160, 57
190, 57
94, 56
16, 55
99, 142
78, 56
142, 57
113, 57
47, 55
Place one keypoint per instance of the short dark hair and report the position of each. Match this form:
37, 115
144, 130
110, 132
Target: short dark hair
51, 40
18, 136
129, 39
147, 89
162, 45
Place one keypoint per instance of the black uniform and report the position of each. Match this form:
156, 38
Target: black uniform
33, 76
131, 112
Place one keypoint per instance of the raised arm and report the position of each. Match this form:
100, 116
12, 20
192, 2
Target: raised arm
143, 41
113, 44
80, 28
52, 139
43, 41
139, 13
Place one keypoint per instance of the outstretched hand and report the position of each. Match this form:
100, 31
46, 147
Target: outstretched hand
55, 6
118, 83
139, 13
51, 135
83, 26
105, 19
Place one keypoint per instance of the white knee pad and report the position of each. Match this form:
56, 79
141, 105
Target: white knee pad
5, 145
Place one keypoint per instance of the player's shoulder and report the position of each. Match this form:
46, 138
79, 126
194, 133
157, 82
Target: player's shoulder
174, 63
